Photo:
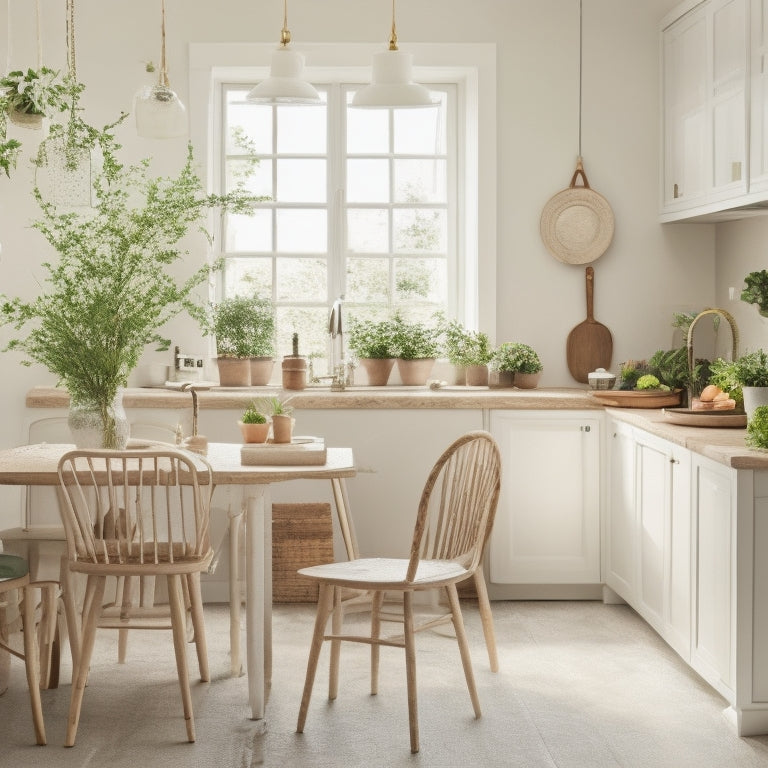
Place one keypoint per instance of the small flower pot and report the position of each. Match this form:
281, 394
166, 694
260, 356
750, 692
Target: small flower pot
261, 370
476, 375
414, 373
501, 379
527, 380
377, 369
234, 371
254, 433
282, 428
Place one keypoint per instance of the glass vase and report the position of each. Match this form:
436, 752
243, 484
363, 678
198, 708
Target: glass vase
99, 425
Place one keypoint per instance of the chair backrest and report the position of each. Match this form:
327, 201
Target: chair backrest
135, 506
458, 504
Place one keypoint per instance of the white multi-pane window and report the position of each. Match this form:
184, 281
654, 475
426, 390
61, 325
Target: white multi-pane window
359, 203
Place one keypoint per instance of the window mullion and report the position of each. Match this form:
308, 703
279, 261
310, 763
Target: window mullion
336, 192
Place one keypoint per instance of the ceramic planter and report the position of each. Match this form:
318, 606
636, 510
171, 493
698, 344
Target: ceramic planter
501, 379
254, 433
261, 370
414, 373
234, 371
527, 380
377, 369
282, 428
754, 397
476, 375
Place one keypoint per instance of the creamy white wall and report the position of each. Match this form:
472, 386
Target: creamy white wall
649, 271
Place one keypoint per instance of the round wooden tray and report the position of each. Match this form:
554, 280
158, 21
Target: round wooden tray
689, 418
631, 398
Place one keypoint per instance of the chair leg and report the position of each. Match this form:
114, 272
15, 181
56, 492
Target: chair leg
410, 670
198, 624
69, 600
337, 624
95, 592
125, 591
486, 617
324, 607
178, 620
31, 662
376, 603
47, 639
461, 637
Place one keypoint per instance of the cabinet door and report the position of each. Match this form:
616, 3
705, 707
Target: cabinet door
714, 506
758, 147
547, 528
621, 523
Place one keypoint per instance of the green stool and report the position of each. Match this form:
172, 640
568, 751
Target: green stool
14, 574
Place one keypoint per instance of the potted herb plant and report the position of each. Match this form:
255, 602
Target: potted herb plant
115, 283
417, 346
756, 291
244, 327
282, 417
745, 378
372, 341
254, 425
520, 360
757, 428
470, 350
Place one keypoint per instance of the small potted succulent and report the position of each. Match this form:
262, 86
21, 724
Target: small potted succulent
372, 341
254, 425
417, 345
469, 350
518, 364
282, 418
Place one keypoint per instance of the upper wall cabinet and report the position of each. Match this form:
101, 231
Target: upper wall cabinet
706, 107
758, 145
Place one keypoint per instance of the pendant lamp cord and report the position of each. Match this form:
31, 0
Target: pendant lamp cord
581, 58
285, 33
393, 35
71, 39
163, 68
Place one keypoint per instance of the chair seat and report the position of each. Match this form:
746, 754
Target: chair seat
12, 567
383, 573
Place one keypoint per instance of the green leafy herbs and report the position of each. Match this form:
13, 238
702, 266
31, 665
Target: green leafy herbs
464, 347
757, 428
756, 291
415, 340
372, 338
516, 356
252, 415
244, 326
116, 281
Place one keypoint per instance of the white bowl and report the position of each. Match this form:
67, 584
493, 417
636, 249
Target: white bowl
601, 379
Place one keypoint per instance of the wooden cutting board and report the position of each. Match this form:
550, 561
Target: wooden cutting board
590, 344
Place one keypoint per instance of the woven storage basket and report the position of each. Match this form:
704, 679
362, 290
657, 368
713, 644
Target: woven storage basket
302, 535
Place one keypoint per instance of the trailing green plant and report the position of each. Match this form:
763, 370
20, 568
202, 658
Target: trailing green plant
757, 428
464, 347
252, 415
756, 291
516, 356
114, 284
244, 326
415, 340
372, 338
30, 92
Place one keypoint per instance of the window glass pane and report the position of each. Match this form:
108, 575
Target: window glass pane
420, 131
311, 323
368, 181
367, 231
367, 131
420, 229
420, 280
301, 181
250, 126
302, 129
248, 233
256, 177
248, 276
302, 280
420, 181
302, 231
367, 280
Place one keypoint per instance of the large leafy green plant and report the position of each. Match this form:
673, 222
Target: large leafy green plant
112, 288
244, 326
374, 339
464, 347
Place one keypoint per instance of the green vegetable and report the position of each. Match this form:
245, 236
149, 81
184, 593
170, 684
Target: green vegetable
757, 428
252, 415
648, 381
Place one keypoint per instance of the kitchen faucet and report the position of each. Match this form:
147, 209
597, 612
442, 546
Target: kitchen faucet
336, 364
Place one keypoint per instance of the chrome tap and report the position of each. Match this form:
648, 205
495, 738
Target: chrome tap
336, 334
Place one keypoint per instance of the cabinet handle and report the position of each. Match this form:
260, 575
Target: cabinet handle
675, 192
586, 429
673, 460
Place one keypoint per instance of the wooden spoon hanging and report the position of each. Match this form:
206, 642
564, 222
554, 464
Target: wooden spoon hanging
590, 344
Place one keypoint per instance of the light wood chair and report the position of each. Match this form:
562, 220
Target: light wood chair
454, 516
137, 513
14, 574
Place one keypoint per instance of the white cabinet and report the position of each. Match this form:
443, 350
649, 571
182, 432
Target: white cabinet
547, 527
648, 533
758, 144
705, 108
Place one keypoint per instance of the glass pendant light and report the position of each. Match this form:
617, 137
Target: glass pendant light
285, 84
159, 111
392, 84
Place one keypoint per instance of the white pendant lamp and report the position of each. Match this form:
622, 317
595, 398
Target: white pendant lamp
392, 84
159, 111
285, 84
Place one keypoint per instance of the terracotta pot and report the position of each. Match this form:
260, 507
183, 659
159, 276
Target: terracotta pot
254, 433
234, 371
261, 370
377, 369
501, 379
527, 380
294, 372
476, 375
414, 373
282, 428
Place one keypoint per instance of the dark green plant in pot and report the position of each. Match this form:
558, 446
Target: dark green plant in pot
252, 415
756, 291
757, 428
